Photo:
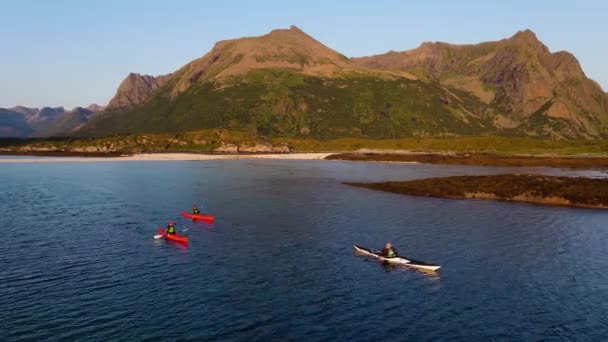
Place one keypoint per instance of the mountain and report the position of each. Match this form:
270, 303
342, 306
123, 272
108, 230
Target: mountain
280, 49
135, 89
28, 112
95, 108
22, 121
286, 83
25, 122
45, 118
529, 87
291, 49
68, 123
13, 124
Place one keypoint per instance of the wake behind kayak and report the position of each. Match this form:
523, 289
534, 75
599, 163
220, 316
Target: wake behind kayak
399, 260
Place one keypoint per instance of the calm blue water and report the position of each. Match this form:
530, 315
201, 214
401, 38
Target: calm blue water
79, 261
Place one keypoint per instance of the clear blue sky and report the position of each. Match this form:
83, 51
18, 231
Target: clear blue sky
70, 52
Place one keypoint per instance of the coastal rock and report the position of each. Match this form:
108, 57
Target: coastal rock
281, 149
258, 148
87, 149
197, 141
96, 148
178, 142
227, 148
29, 148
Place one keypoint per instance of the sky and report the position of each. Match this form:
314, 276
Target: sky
73, 53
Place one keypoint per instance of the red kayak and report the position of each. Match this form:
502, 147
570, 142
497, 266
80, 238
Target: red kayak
173, 237
206, 218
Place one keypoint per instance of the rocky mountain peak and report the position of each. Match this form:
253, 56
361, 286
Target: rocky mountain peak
525, 35
528, 38
25, 110
294, 30
564, 62
135, 89
95, 107
280, 49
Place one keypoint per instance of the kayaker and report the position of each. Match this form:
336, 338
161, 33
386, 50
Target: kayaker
170, 228
195, 211
389, 251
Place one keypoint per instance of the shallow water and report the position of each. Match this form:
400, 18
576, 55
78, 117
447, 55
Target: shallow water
80, 263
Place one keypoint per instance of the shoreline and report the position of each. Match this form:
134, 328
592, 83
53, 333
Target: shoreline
578, 162
163, 157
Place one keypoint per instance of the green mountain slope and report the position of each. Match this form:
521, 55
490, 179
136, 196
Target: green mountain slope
284, 102
534, 90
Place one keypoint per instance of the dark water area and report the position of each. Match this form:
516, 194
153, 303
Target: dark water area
79, 261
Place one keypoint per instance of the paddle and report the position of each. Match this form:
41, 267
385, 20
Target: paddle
158, 236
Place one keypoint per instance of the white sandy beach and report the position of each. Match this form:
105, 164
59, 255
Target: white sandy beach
168, 157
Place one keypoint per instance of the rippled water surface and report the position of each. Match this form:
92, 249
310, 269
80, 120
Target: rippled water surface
79, 261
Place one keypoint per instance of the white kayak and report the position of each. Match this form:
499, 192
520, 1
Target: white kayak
397, 260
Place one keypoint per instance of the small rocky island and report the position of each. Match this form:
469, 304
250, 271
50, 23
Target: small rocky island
564, 191
483, 159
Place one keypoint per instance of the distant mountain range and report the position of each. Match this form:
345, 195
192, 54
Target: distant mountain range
43, 122
286, 83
